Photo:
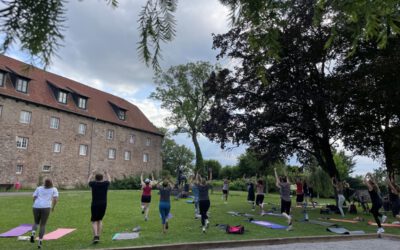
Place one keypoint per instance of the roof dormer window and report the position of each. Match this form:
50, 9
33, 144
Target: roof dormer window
82, 102
62, 97
122, 114
22, 85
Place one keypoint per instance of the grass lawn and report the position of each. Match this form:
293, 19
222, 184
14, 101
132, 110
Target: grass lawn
123, 213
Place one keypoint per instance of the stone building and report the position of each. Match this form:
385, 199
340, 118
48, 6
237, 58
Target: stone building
53, 126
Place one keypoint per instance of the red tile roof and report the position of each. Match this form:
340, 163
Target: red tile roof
98, 104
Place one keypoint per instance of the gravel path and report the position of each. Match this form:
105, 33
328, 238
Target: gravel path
374, 244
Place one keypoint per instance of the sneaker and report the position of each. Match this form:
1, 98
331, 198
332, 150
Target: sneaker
207, 223
142, 211
32, 239
145, 218
383, 219
289, 228
39, 244
380, 230
166, 225
96, 239
204, 230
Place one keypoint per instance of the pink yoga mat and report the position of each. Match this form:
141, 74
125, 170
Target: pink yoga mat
18, 231
58, 233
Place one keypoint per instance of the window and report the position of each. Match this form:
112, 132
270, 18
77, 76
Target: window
82, 102
127, 155
57, 147
19, 169
25, 117
148, 141
121, 114
110, 134
1, 79
132, 139
46, 168
111, 153
83, 150
62, 97
145, 157
22, 142
82, 129
54, 122
22, 85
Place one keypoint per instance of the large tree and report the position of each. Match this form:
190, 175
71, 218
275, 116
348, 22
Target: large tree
180, 90
280, 105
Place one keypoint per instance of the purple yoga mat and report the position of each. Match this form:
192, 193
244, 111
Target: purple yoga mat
267, 224
18, 231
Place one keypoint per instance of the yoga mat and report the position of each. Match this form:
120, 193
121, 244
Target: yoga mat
321, 223
341, 230
125, 236
272, 214
344, 220
233, 213
384, 224
268, 224
190, 201
17, 231
60, 232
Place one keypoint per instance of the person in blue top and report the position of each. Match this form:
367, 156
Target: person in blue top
195, 192
44, 200
99, 202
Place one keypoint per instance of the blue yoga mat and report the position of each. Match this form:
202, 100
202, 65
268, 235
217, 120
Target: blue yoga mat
268, 224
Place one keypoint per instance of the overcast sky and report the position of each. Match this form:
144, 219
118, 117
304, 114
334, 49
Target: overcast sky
100, 50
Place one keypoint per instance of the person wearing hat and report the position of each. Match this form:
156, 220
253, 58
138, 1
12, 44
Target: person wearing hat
146, 195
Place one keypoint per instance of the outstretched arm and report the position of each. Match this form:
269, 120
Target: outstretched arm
141, 179
276, 179
366, 182
107, 176
391, 186
91, 176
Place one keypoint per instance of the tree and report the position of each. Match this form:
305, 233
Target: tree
215, 167
180, 90
175, 157
344, 163
279, 106
250, 165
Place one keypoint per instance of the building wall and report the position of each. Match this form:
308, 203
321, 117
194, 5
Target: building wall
68, 168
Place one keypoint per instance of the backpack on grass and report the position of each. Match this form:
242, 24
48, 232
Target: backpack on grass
235, 229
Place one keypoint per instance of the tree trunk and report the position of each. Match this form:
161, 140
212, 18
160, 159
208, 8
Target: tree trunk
199, 156
388, 153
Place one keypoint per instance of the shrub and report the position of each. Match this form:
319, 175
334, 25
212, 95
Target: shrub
127, 182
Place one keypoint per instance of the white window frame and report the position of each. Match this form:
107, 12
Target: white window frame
44, 168
83, 150
132, 139
22, 142
127, 155
22, 85
62, 97
148, 142
146, 157
2, 76
110, 134
82, 102
112, 153
57, 147
19, 169
82, 128
54, 122
25, 117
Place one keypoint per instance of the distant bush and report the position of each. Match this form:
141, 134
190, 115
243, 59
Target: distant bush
127, 182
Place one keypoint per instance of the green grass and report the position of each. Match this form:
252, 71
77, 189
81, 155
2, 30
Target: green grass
123, 213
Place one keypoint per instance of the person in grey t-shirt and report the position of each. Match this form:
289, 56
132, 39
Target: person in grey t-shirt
283, 184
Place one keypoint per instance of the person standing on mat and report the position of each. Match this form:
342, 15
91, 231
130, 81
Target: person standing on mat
394, 191
260, 194
283, 184
165, 203
225, 190
99, 202
204, 200
250, 192
147, 185
376, 201
339, 190
44, 199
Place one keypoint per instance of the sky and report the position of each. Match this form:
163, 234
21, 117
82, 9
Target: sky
100, 50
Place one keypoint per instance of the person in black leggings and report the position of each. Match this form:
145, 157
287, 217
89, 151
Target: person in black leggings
204, 200
394, 198
376, 200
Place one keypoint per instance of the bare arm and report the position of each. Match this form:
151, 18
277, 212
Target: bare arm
367, 183
287, 177
392, 187
141, 179
91, 176
107, 176
276, 179
53, 203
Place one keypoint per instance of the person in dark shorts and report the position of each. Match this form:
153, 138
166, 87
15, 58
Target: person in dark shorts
165, 202
99, 202
251, 197
394, 191
299, 192
284, 188
44, 200
204, 200
260, 194
376, 201
225, 190
147, 186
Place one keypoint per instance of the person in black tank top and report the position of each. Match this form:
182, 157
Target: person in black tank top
376, 200
394, 199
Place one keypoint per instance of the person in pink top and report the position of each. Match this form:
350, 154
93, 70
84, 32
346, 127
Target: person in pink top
147, 185
17, 185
